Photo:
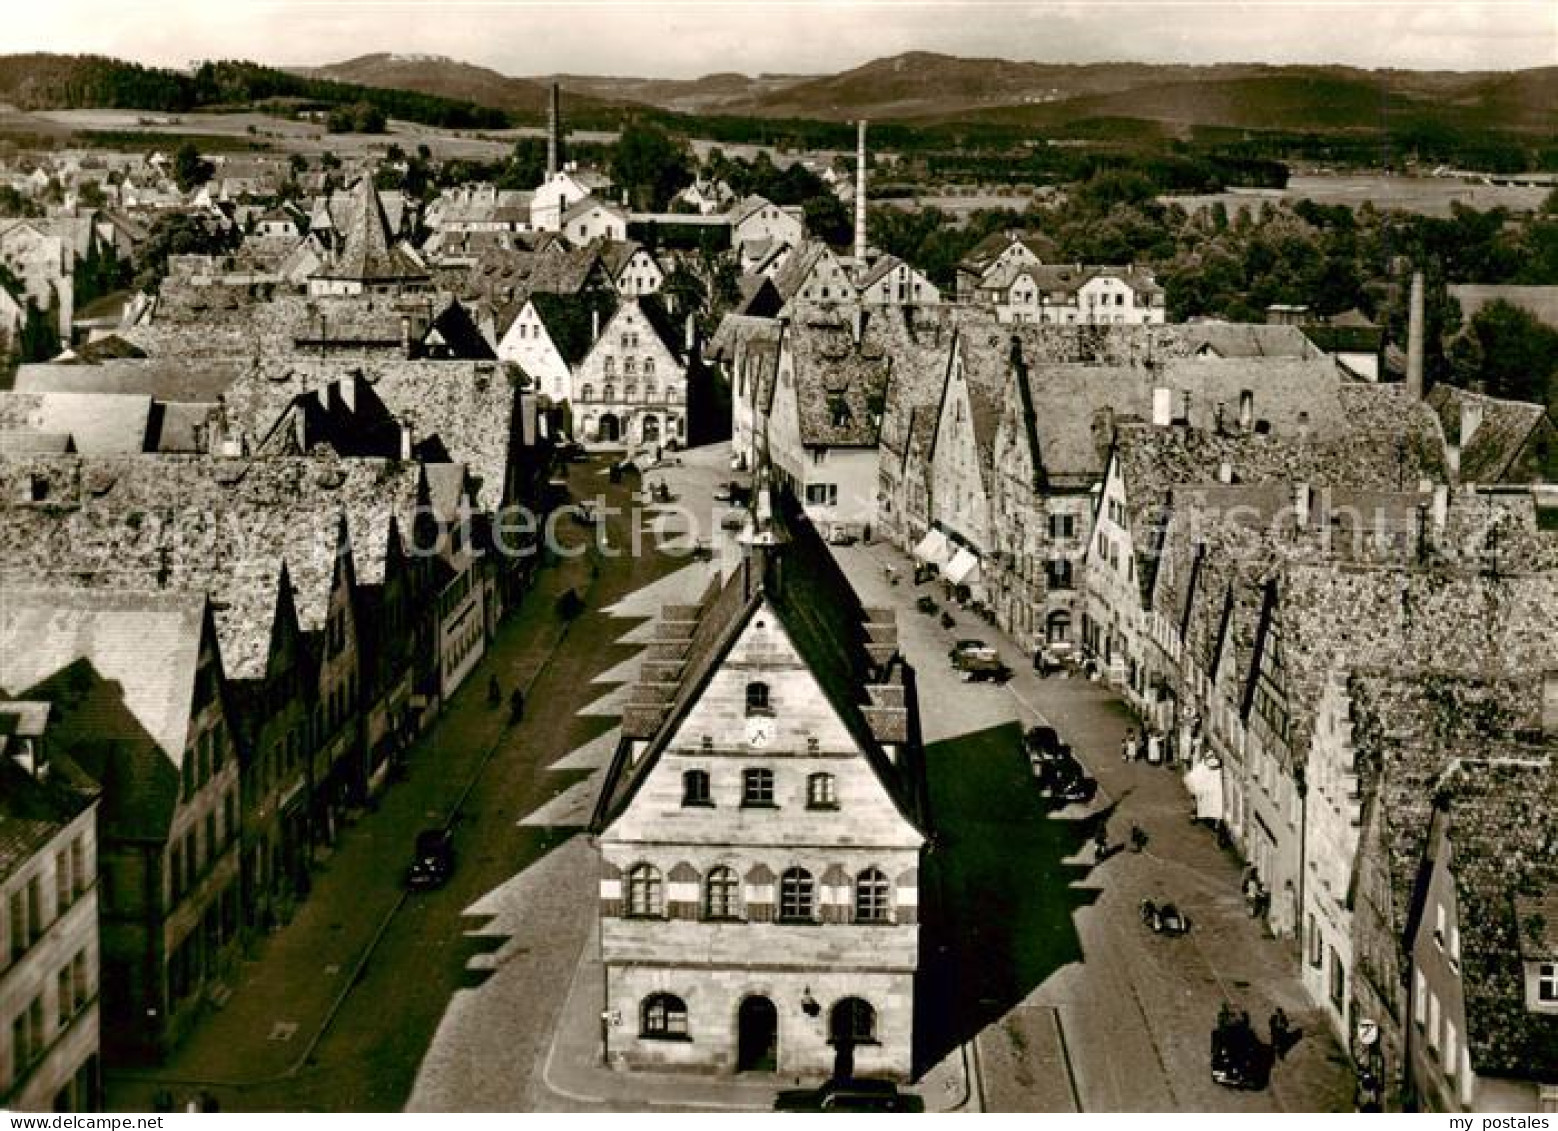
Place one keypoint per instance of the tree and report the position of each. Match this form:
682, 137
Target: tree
686, 289
1519, 354
827, 219
189, 168
91, 194
650, 164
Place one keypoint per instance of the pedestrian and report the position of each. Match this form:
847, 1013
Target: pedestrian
1154, 749
494, 691
516, 706
1100, 843
1128, 748
1280, 1031
1138, 838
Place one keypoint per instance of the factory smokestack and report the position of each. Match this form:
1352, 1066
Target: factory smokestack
1415, 339
860, 196
552, 137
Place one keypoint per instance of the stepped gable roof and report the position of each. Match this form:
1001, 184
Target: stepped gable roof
1492, 453
840, 382
165, 378
822, 617
97, 423
1502, 825
370, 252
118, 668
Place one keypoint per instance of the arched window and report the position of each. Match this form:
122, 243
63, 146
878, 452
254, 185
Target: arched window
821, 792
853, 1021
646, 892
722, 895
608, 392
871, 905
757, 698
587, 393
609, 366
797, 896
664, 1017
695, 788
649, 367
650, 392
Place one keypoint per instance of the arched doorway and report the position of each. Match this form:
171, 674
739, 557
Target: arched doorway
757, 1035
610, 428
651, 429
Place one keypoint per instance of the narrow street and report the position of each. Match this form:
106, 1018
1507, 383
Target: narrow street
337, 1010
1040, 955
1036, 968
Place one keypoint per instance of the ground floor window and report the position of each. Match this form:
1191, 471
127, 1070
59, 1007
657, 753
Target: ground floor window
664, 1017
852, 1021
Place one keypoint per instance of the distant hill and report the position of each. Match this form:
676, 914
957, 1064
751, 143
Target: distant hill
445, 78
53, 82
724, 93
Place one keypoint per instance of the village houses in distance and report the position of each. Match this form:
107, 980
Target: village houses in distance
664, 657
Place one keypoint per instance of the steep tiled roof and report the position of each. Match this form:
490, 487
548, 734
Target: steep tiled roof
97, 423
840, 383
820, 615
119, 669
167, 378
370, 251
1503, 833
1503, 432
33, 811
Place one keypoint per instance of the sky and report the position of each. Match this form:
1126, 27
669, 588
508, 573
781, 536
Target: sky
687, 38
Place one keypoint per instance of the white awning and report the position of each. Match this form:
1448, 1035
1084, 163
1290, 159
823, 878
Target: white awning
963, 569
1205, 783
933, 548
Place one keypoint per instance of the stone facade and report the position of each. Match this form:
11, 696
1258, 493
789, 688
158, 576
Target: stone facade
631, 388
760, 877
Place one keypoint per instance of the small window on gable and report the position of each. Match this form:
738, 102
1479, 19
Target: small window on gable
821, 792
757, 787
757, 698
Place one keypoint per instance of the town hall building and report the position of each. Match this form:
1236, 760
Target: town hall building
761, 829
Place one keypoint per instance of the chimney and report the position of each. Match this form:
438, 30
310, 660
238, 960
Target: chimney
1415, 339
1304, 504
1225, 472
405, 441
1162, 406
692, 333
860, 196
405, 334
595, 325
1246, 410
1185, 406
1217, 418
552, 140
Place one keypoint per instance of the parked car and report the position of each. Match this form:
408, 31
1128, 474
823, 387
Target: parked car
840, 536
433, 860
979, 662
1042, 741
850, 1095
733, 520
725, 493
1239, 1058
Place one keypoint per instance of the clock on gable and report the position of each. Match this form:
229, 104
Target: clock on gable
760, 729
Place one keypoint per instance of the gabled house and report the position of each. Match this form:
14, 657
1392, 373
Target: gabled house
760, 829
560, 192
1493, 442
631, 387
755, 219
594, 218
135, 683
891, 281
632, 267
812, 273
550, 335
365, 257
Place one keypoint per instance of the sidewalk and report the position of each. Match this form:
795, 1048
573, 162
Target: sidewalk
574, 1077
287, 989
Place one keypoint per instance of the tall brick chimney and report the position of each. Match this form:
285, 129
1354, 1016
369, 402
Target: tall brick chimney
553, 140
860, 196
1415, 339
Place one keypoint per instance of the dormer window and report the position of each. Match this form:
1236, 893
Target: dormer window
757, 699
